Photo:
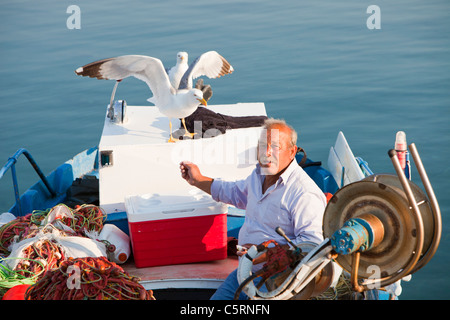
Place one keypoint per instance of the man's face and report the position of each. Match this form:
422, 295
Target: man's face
275, 151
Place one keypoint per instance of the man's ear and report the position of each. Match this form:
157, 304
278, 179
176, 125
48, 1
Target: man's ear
293, 152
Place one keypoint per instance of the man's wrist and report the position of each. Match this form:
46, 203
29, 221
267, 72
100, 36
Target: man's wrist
204, 183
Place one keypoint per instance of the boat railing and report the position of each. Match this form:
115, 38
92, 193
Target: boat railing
364, 166
10, 164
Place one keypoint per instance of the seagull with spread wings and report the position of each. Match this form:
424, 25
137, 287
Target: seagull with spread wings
173, 102
182, 75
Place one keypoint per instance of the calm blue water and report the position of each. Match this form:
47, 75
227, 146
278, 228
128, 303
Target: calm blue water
314, 63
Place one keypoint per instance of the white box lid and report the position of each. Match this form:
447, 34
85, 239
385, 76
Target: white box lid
150, 207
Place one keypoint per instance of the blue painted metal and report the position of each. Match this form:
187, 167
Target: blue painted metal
10, 164
349, 238
355, 235
364, 166
37, 196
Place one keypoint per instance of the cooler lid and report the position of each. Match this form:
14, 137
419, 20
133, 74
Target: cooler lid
148, 207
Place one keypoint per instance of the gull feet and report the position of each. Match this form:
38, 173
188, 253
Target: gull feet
172, 140
190, 135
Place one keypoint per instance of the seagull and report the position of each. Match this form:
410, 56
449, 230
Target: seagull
173, 102
210, 64
177, 72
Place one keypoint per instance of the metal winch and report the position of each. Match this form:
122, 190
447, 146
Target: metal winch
379, 229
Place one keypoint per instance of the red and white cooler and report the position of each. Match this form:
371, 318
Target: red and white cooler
172, 229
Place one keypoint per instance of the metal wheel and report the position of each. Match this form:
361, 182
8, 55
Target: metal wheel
382, 196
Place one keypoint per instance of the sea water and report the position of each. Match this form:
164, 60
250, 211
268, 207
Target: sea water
367, 68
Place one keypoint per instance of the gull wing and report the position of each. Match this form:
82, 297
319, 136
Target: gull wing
210, 64
148, 69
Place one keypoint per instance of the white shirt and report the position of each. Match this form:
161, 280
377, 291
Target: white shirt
295, 203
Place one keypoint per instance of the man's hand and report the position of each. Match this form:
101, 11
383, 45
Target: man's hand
191, 173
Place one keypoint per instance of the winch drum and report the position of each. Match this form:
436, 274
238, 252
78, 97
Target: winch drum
382, 196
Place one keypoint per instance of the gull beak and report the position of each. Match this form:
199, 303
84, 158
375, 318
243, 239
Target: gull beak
202, 101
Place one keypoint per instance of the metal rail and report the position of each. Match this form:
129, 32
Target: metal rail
10, 164
434, 206
416, 216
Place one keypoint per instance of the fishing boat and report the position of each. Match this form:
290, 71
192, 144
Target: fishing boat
133, 173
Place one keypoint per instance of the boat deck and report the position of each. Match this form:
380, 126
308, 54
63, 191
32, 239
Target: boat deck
202, 275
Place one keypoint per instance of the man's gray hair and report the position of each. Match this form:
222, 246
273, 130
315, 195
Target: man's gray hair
271, 122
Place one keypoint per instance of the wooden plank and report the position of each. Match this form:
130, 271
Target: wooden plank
206, 275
